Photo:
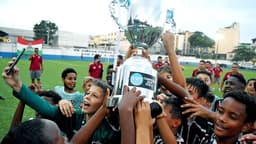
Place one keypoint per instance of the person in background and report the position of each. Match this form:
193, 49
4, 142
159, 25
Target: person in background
96, 68
109, 75
36, 66
165, 72
208, 65
120, 60
87, 83
68, 91
201, 67
159, 63
217, 72
250, 87
166, 61
210, 97
205, 76
111, 70
235, 70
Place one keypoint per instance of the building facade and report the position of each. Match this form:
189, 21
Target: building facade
230, 38
181, 43
65, 39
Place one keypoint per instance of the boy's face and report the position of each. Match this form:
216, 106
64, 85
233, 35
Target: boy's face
160, 60
250, 88
98, 60
207, 65
205, 78
193, 92
230, 118
36, 50
93, 100
235, 68
87, 86
201, 65
232, 84
70, 81
172, 122
166, 75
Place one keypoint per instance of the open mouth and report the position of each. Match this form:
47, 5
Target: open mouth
86, 105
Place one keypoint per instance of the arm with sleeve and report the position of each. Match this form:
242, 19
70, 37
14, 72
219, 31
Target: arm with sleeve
36, 102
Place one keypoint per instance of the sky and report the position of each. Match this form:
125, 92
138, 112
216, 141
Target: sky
93, 17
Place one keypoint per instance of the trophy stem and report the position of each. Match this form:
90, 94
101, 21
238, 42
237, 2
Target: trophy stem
140, 49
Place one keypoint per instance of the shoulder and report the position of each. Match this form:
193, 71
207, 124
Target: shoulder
91, 64
228, 73
58, 88
79, 94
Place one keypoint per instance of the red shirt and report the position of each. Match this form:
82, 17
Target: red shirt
217, 72
228, 74
96, 70
210, 70
36, 62
194, 72
158, 66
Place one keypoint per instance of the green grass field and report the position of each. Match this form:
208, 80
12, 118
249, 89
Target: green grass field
52, 77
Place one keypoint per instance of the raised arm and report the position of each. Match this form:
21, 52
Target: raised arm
173, 87
17, 117
178, 77
125, 108
144, 123
26, 95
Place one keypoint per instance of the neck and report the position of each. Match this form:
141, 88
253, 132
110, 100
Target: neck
226, 140
69, 90
174, 130
88, 116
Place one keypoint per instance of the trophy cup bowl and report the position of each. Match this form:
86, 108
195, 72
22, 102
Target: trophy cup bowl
143, 26
142, 20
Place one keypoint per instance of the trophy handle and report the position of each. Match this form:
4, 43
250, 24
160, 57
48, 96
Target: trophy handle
169, 22
114, 9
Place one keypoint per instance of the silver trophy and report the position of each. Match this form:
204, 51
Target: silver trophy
143, 22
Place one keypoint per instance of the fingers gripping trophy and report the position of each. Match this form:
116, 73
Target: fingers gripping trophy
143, 22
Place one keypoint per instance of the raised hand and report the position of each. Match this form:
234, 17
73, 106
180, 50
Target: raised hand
130, 98
248, 138
13, 80
143, 115
66, 108
195, 109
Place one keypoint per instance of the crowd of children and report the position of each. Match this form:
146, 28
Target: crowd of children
190, 112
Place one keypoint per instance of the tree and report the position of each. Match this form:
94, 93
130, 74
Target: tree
46, 30
199, 40
244, 52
